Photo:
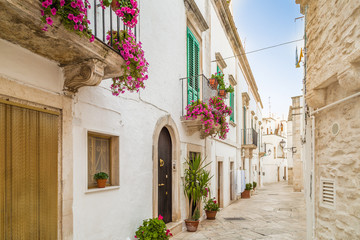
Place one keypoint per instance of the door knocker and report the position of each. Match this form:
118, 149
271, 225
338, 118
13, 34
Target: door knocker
161, 162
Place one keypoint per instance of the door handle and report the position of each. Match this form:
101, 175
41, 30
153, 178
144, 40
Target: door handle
161, 184
161, 162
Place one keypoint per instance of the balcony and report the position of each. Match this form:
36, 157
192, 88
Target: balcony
84, 63
190, 91
249, 138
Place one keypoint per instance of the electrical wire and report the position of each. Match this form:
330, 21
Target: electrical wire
261, 49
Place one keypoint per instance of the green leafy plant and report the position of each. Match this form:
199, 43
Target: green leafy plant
153, 229
248, 186
196, 215
196, 183
101, 175
254, 184
211, 205
219, 76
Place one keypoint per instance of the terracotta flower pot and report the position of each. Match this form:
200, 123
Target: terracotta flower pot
210, 215
213, 83
192, 225
115, 5
245, 194
101, 183
222, 93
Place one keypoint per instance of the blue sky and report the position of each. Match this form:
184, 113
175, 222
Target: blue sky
263, 23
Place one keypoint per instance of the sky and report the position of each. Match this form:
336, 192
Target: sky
263, 23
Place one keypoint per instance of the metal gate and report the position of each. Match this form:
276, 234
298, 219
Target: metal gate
28, 173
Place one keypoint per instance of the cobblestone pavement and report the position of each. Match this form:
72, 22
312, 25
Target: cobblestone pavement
273, 212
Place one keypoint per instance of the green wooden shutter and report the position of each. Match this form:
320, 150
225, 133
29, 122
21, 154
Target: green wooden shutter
218, 69
232, 105
244, 130
193, 67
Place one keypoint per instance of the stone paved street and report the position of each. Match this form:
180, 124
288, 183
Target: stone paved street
273, 212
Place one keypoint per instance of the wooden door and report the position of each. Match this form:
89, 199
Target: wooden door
28, 173
165, 176
285, 173
231, 181
219, 183
278, 171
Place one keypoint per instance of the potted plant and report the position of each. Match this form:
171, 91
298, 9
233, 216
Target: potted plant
222, 91
246, 193
126, 9
254, 185
216, 79
153, 229
196, 182
211, 208
101, 179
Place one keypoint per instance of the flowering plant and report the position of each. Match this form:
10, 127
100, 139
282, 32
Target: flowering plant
73, 15
136, 67
213, 115
200, 109
153, 229
220, 111
127, 10
211, 205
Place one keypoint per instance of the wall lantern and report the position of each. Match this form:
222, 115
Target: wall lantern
282, 143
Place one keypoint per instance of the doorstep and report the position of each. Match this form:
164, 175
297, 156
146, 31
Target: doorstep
175, 227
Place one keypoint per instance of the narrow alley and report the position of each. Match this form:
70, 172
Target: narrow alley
273, 212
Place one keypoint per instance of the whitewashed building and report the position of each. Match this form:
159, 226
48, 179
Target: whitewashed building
274, 140
57, 111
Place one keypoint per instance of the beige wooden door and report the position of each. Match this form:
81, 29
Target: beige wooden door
28, 173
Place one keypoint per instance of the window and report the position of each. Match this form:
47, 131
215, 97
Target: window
193, 67
218, 69
232, 105
103, 156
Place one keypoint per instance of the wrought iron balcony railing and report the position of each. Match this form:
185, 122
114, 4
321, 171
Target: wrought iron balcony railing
103, 21
249, 137
195, 88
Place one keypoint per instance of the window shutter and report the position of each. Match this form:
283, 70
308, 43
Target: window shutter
193, 67
196, 70
232, 107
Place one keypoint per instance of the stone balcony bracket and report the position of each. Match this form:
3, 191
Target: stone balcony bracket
195, 125
87, 73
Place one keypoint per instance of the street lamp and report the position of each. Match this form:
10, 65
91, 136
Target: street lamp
282, 143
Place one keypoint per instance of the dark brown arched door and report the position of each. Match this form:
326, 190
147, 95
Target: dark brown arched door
164, 175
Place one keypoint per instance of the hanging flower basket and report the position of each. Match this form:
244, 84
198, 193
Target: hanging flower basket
222, 93
213, 83
115, 5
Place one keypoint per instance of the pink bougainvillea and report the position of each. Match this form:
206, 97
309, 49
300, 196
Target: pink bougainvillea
136, 66
213, 115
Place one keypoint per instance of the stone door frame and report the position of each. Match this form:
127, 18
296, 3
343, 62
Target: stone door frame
169, 123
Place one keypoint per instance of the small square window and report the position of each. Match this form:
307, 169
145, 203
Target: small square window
103, 156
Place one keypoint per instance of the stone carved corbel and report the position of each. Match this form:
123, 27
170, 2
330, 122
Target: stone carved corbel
349, 79
87, 73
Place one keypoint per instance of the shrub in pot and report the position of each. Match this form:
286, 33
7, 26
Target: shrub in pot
101, 179
196, 183
246, 192
211, 208
254, 185
153, 229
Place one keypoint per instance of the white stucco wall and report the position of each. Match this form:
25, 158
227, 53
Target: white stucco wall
21, 65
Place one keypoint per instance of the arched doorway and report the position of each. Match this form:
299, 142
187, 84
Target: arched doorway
165, 175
